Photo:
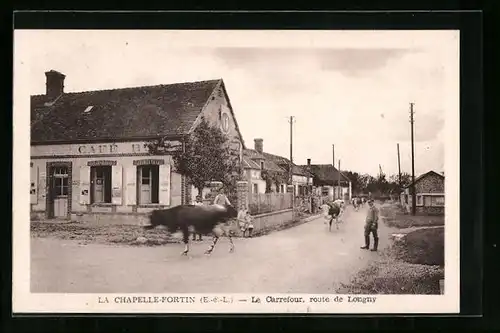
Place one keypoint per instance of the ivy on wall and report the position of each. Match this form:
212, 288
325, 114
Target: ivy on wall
273, 177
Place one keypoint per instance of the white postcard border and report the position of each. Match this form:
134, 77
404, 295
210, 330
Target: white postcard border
25, 301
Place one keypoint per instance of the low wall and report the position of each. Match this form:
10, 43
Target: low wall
260, 221
112, 218
271, 219
430, 210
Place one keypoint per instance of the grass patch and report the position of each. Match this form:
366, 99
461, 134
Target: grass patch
389, 276
423, 246
395, 217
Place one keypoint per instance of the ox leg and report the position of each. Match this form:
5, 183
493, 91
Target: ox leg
330, 224
186, 249
211, 248
231, 244
337, 222
185, 239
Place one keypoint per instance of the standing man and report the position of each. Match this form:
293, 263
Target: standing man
371, 226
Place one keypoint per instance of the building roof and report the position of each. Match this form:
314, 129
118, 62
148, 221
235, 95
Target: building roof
284, 163
269, 164
425, 175
327, 174
127, 113
248, 163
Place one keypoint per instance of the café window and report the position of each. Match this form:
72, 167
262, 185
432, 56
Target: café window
420, 200
255, 188
100, 184
148, 184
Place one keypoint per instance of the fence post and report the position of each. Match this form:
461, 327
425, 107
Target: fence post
241, 194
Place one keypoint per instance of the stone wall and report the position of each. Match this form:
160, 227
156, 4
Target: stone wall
241, 194
267, 220
431, 183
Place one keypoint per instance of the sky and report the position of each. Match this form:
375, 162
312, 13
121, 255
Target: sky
348, 88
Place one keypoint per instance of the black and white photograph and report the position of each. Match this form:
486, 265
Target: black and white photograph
236, 171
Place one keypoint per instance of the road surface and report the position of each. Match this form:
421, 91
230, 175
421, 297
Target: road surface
303, 259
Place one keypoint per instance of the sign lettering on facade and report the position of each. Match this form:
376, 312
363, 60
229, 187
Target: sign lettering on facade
98, 149
117, 148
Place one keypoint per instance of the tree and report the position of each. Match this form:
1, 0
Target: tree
355, 178
206, 157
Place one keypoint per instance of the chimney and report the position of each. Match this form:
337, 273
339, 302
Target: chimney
54, 84
308, 162
259, 145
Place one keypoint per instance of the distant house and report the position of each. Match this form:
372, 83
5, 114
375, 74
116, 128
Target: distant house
430, 196
254, 164
278, 164
326, 178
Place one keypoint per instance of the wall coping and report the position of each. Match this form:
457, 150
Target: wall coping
273, 213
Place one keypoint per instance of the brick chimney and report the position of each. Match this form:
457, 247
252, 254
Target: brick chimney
308, 162
259, 145
54, 84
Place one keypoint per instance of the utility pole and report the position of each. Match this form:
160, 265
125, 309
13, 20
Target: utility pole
333, 165
399, 169
340, 195
413, 195
291, 151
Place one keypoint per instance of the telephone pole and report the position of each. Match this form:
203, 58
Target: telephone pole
413, 195
333, 165
291, 150
399, 169
340, 188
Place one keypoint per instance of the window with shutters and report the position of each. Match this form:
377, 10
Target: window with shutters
148, 184
100, 184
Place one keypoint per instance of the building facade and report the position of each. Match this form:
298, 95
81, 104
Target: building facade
331, 183
430, 195
89, 158
301, 179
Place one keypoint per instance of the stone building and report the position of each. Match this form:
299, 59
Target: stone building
301, 179
430, 195
88, 158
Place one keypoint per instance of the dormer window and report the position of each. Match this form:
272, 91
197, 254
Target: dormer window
88, 109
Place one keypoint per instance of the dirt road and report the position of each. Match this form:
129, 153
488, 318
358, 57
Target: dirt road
304, 259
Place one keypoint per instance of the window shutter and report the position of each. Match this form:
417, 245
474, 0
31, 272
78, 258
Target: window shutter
130, 179
117, 181
164, 188
84, 185
34, 184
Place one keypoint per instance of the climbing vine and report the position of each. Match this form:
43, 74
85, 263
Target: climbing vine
272, 177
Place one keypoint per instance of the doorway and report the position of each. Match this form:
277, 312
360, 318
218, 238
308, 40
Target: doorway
59, 190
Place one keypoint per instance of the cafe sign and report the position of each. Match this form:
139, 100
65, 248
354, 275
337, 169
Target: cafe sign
114, 148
